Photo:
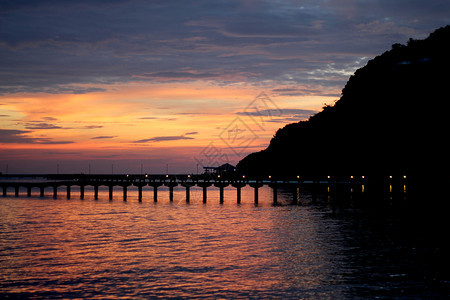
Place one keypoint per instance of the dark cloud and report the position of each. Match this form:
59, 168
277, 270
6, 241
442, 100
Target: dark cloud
15, 136
51, 142
280, 115
191, 113
279, 112
178, 75
101, 137
70, 46
165, 138
92, 127
317, 91
42, 125
4, 116
191, 133
12, 135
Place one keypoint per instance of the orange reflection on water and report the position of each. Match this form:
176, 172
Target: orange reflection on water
88, 246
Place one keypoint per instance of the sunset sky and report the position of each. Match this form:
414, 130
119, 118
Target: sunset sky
113, 86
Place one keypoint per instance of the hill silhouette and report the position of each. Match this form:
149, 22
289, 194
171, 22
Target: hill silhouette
392, 118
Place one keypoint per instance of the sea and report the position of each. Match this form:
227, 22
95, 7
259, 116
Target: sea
317, 248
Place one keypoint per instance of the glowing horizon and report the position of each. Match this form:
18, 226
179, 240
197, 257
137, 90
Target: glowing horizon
119, 124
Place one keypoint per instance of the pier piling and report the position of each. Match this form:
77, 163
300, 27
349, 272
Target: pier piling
256, 185
171, 185
295, 195
204, 186
110, 192
238, 185
221, 185
274, 187
155, 186
188, 186
188, 194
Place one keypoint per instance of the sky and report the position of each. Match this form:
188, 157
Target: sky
130, 86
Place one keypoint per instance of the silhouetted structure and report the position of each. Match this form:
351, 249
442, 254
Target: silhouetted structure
354, 185
222, 169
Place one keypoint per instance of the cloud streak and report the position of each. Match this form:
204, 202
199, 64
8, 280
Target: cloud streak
280, 115
103, 137
41, 125
14, 136
164, 139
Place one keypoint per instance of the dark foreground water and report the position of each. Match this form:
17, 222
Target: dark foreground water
59, 248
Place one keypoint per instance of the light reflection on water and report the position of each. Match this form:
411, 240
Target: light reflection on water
59, 248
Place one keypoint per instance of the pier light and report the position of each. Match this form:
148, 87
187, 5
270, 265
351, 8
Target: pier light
328, 176
298, 177
218, 176
128, 175
189, 176
167, 176
243, 176
146, 175
270, 176
404, 176
351, 177
362, 177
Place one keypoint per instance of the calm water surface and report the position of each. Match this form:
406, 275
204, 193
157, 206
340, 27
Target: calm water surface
60, 248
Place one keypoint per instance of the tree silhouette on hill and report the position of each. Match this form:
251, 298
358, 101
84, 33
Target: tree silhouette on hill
392, 117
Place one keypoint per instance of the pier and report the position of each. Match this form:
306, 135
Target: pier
360, 184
